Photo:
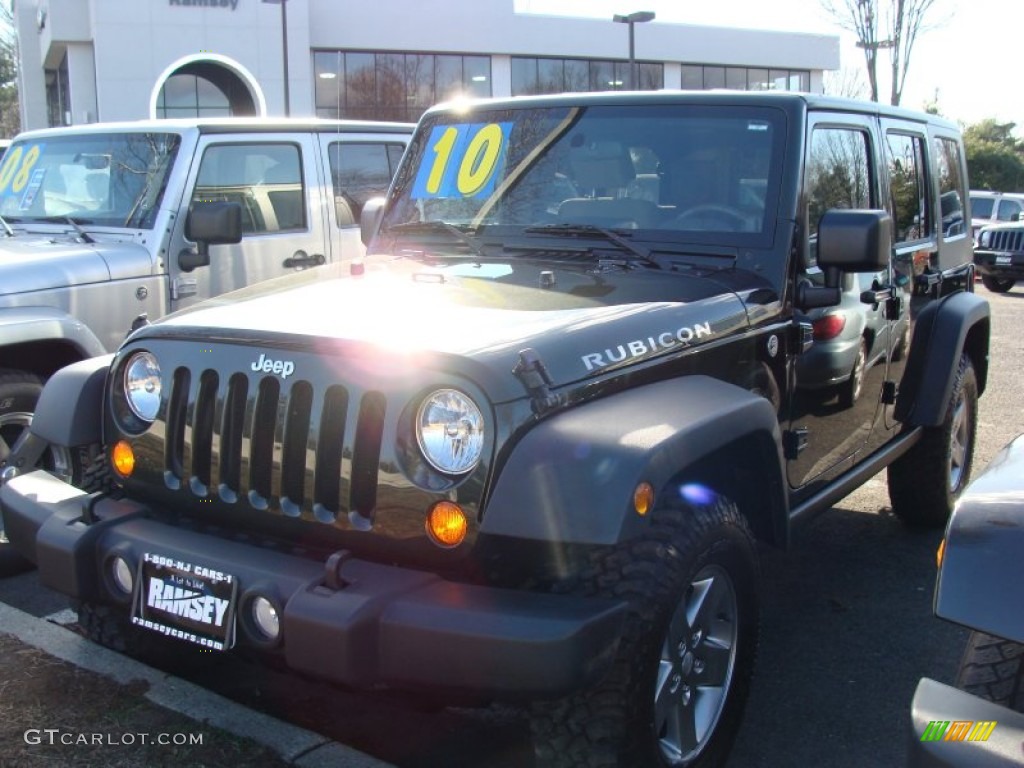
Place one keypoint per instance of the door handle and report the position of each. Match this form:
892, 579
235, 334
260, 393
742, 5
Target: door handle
301, 260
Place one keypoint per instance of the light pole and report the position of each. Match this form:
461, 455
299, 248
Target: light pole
637, 17
284, 50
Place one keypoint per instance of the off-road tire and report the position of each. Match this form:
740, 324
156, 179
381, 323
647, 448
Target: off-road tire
19, 393
993, 669
998, 284
613, 723
112, 628
926, 481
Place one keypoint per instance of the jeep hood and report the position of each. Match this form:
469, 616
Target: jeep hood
580, 323
44, 262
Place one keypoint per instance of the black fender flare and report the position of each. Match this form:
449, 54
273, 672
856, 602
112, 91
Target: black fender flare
70, 408
984, 541
571, 479
960, 322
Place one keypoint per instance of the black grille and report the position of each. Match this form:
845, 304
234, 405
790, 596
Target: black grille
279, 446
1007, 240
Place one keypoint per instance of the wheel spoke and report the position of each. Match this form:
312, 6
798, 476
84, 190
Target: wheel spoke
664, 701
677, 728
707, 705
701, 601
715, 663
958, 448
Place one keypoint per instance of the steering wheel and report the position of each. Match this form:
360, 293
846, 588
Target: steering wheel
710, 216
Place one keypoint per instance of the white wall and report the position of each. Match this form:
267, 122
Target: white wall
134, 41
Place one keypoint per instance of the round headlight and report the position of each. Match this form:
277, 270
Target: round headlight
984, 237
450, 431
142, 385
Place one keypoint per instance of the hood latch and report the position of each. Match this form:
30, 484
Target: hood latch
531, 371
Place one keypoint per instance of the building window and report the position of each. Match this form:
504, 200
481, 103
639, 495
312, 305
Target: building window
696, 77
532, 75
185, 95
394, 86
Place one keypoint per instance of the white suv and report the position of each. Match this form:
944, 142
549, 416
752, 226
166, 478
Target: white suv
993, 207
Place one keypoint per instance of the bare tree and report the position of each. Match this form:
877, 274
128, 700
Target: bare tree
846, 82
861, 18
901, 21
10, 118
906, 22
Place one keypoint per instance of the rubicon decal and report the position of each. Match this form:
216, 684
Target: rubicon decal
283, 368
637, 348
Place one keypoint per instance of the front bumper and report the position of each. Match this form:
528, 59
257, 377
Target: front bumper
350, 621
1000, 264
956, 713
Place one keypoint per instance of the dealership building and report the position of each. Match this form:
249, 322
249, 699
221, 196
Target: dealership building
88, 60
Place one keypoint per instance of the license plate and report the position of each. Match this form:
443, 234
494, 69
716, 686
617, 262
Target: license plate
1004, 259
187, 601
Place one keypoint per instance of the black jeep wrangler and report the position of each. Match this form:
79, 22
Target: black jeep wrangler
999, 256
524, 451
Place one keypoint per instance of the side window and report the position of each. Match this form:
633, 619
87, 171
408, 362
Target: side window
266, 179
838, 173
952, 189
981, 207
360, 171
907, 195
1007, 208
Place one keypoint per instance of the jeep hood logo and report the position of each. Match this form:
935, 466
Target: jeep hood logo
283, 368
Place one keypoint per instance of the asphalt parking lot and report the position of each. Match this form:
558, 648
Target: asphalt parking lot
847, 631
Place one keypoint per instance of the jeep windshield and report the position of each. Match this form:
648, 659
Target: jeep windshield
108, 179
655, 174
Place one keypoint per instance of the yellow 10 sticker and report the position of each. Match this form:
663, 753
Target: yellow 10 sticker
462, 161
17, 168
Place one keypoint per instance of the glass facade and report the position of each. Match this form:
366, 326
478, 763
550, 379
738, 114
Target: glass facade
700, 77
399, 85
531, 75
394, 86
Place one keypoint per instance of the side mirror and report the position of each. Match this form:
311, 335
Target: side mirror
854, 240
370, 218
213, 223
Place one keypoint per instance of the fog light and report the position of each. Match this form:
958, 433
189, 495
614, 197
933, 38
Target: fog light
123, 458
122, 575
447, 524
264, 615
643, 498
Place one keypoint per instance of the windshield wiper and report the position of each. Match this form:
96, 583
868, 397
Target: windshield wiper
6, 227
591, 230
427, 227
76, 223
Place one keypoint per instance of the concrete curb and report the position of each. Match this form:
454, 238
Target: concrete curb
295, 745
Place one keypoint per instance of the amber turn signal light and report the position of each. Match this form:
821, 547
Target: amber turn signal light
643, 498
940, 554
122, 457
446, 524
